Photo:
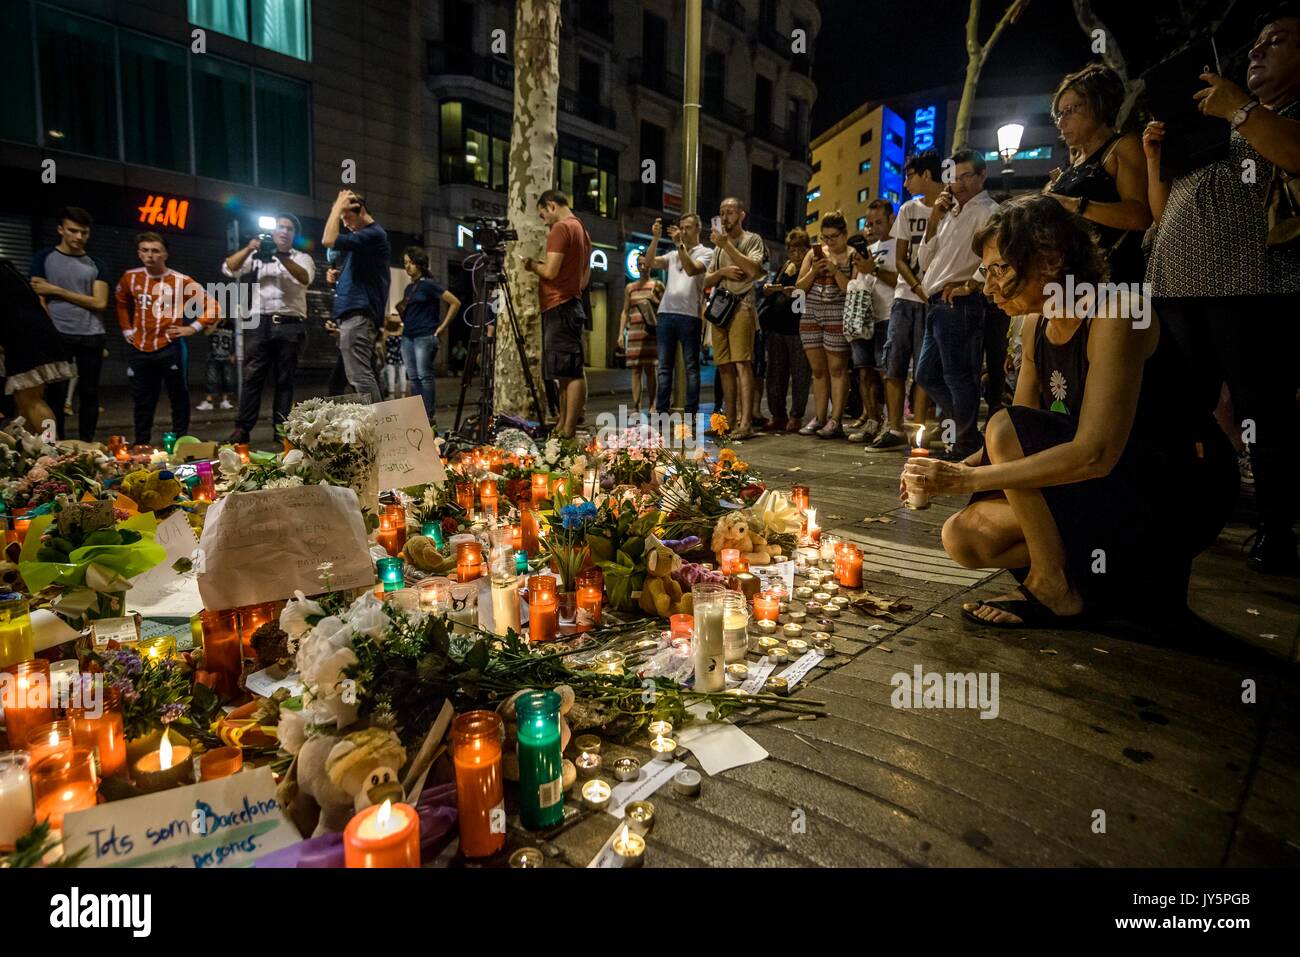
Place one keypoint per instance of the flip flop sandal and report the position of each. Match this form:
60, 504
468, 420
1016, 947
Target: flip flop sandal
1031, 612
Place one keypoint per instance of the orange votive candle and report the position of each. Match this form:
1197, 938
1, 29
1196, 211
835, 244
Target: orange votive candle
799, 497
105, 734
45, 739
64, 782
727, 559
465, 496
543, 608
850, 575
383, 835
480, 786
469, 561
590, 599
392, 528
220, 763
541, 485
27, 700
767, 607
528, 531
681, 626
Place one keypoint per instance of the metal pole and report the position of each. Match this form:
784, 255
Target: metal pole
691, 108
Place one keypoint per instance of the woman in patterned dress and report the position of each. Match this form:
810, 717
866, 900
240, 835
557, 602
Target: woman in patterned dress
825, 279
640, 306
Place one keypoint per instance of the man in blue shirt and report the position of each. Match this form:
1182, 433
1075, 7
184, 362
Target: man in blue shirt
74, 287
361, 292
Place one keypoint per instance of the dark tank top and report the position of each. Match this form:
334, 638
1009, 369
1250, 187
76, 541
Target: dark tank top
1122, 248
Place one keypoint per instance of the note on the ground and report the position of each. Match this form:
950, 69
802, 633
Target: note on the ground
163, 592
758, 673
654, 775
226, 823
270, 680
799, 670
263, 546
408, 454
718, 745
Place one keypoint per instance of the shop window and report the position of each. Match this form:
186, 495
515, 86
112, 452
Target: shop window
78, 102
283, 134
223, 140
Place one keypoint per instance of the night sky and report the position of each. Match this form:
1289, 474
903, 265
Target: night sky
872, 49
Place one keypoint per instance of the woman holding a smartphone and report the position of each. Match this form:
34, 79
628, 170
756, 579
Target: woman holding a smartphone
824, 279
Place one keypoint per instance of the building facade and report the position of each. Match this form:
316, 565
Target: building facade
198, 118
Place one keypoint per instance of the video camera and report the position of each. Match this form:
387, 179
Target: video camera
266, 249
491, 235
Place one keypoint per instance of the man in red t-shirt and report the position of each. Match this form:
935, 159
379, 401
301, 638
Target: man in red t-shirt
564, 274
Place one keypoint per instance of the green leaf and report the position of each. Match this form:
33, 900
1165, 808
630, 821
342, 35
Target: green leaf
477, 658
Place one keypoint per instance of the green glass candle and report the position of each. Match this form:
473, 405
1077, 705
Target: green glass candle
541, 784
433, 530
521, 562
390, 574
169, 442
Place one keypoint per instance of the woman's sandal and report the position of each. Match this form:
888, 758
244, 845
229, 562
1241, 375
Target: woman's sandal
1031, 612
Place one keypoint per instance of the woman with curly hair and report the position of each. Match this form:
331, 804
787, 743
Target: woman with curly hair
1099, 485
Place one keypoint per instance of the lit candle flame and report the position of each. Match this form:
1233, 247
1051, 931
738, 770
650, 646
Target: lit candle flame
165, 753
54, 738
384, 818
812, 518
920, 432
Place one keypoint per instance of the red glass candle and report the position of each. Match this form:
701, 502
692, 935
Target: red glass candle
560, 483
541, 485
45, 739
767, 607
590, 599
64, 782
465, 496
27, 700
104, 734
529, 529
488, 498
850, 575
383, 835
543, 608
392, 529
469, 561
727, 559
222, 648
480, 783
799, 497
681, 626
244, 455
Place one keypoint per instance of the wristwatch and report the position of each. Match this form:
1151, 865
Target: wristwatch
1240, 116
1082, 206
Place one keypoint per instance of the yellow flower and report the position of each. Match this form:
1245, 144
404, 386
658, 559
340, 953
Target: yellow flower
726, 457
718, 422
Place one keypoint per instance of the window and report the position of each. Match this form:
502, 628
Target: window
78, 100
155, 109
817, 166
281, 26
814, 193
864, 166
18, 118
711, 184
762, 105
892, 168
892, 196
792, 215
283, 134
810, 218
865, 138
862, 222
713, 87
864, 194
223, 141
894, 138
588, 174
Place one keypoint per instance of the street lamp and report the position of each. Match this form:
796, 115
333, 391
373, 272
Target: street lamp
1009, 136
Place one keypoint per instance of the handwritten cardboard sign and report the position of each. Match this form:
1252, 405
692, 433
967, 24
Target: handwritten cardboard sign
408, 454
225, 823
196, 452
263, 546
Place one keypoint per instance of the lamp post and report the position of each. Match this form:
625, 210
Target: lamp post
1009, 136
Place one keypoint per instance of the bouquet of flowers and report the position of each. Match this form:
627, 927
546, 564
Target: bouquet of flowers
559, 454
617, 539
340, 441
566, 542
263, 470
156, 692
34, 473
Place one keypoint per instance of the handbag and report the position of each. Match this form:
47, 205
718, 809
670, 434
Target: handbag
859, 308
1283, 208
721, 306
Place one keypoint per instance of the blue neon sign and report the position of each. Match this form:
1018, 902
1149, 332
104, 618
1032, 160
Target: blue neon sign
923, 122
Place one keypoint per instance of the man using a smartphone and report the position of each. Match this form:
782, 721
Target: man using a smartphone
737, 264
361, 286
679, 320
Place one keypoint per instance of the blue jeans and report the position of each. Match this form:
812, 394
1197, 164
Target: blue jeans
672, 328
418, 354
949, 365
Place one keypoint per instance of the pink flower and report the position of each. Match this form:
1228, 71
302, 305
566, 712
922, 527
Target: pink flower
38, 474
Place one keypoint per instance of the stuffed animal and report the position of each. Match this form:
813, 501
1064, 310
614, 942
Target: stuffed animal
733, 531
424, 555
151, 491
661, 594
336, 773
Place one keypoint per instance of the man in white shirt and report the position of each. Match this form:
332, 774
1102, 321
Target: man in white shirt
949, 366
679, 320
881, 268
923, 178
275, 330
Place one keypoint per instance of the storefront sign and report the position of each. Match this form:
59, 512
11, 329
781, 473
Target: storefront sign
160, 210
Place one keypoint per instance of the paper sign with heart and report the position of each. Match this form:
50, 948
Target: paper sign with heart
408, 454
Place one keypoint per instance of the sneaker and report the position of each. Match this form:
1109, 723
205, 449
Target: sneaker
225, 404
888, 441
866, 433
204, 406
813, 427
831, 430
69, 410
1244, 471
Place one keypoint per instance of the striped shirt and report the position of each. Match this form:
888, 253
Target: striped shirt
148, 305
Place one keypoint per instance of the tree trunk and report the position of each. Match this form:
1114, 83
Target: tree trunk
1112, 56
976, 55
533, 137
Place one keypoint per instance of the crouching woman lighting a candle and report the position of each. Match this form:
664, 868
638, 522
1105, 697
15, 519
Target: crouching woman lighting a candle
1099, 484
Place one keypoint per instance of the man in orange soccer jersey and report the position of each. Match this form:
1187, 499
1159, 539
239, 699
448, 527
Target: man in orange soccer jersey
158, 309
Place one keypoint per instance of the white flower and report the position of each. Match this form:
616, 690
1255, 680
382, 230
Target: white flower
292, 729
334, 710
293, 620
230, 463
321, 665
369, 618
1057, 384
579, 465
291, 460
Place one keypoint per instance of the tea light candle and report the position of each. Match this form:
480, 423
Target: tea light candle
628, 848
776, 685
383, 835
780, 655
596, 794
803, 592
817, 636
797, 646
686, 782
168, 767
588, 743
841, 601
17, 810
825, 645
765, 627
831, 611
825, 624
765, 644
661, 729
822, 597
792, 630
728, 558
747, 584
663, 748
627, 769
640, 817
588, 765
527, 858
797, 617
784, 607
830, 588
608, 663
737, 671
766, 607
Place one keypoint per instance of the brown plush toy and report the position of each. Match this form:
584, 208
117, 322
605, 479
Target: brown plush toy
733, 531
662, 595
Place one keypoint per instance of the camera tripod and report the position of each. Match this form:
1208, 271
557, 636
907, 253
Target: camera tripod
482, 351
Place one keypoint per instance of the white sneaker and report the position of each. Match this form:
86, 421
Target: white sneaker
204, 406
225, 404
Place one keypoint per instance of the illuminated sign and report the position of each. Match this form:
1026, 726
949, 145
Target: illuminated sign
599, 260
1037, 153
159, 210
629, 261
923, 128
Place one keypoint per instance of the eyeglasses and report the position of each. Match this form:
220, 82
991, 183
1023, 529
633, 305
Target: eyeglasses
1058, 115
831, 235
999, 271
968, 175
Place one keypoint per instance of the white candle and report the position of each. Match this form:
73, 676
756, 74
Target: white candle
16, 808
735, 636
710, 649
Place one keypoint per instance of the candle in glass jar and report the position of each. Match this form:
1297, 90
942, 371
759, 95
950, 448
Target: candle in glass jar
465, 496
851, 567
540, 486
814, 533
391, 575
681, 626
728, 558
543, 608
15, 629
766, 606
64, 782
17, 810
392, 529
480, 782
828, 545
735, 630
487, 495
541, 771
27, 699
469, 561
799, 497
529, 531
45, 739
590, 484
383, 835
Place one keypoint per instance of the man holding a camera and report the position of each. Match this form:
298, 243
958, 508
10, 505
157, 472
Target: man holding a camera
275, 331
361, 292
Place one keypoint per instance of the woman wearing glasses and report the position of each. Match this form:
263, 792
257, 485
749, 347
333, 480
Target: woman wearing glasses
825, 279
1100, 484
1106, 182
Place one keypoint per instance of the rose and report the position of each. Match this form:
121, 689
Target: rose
293, 619
368, 618
292, 729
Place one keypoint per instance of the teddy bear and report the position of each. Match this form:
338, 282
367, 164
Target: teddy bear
151, 491
662, 595
733, 531
335, 772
